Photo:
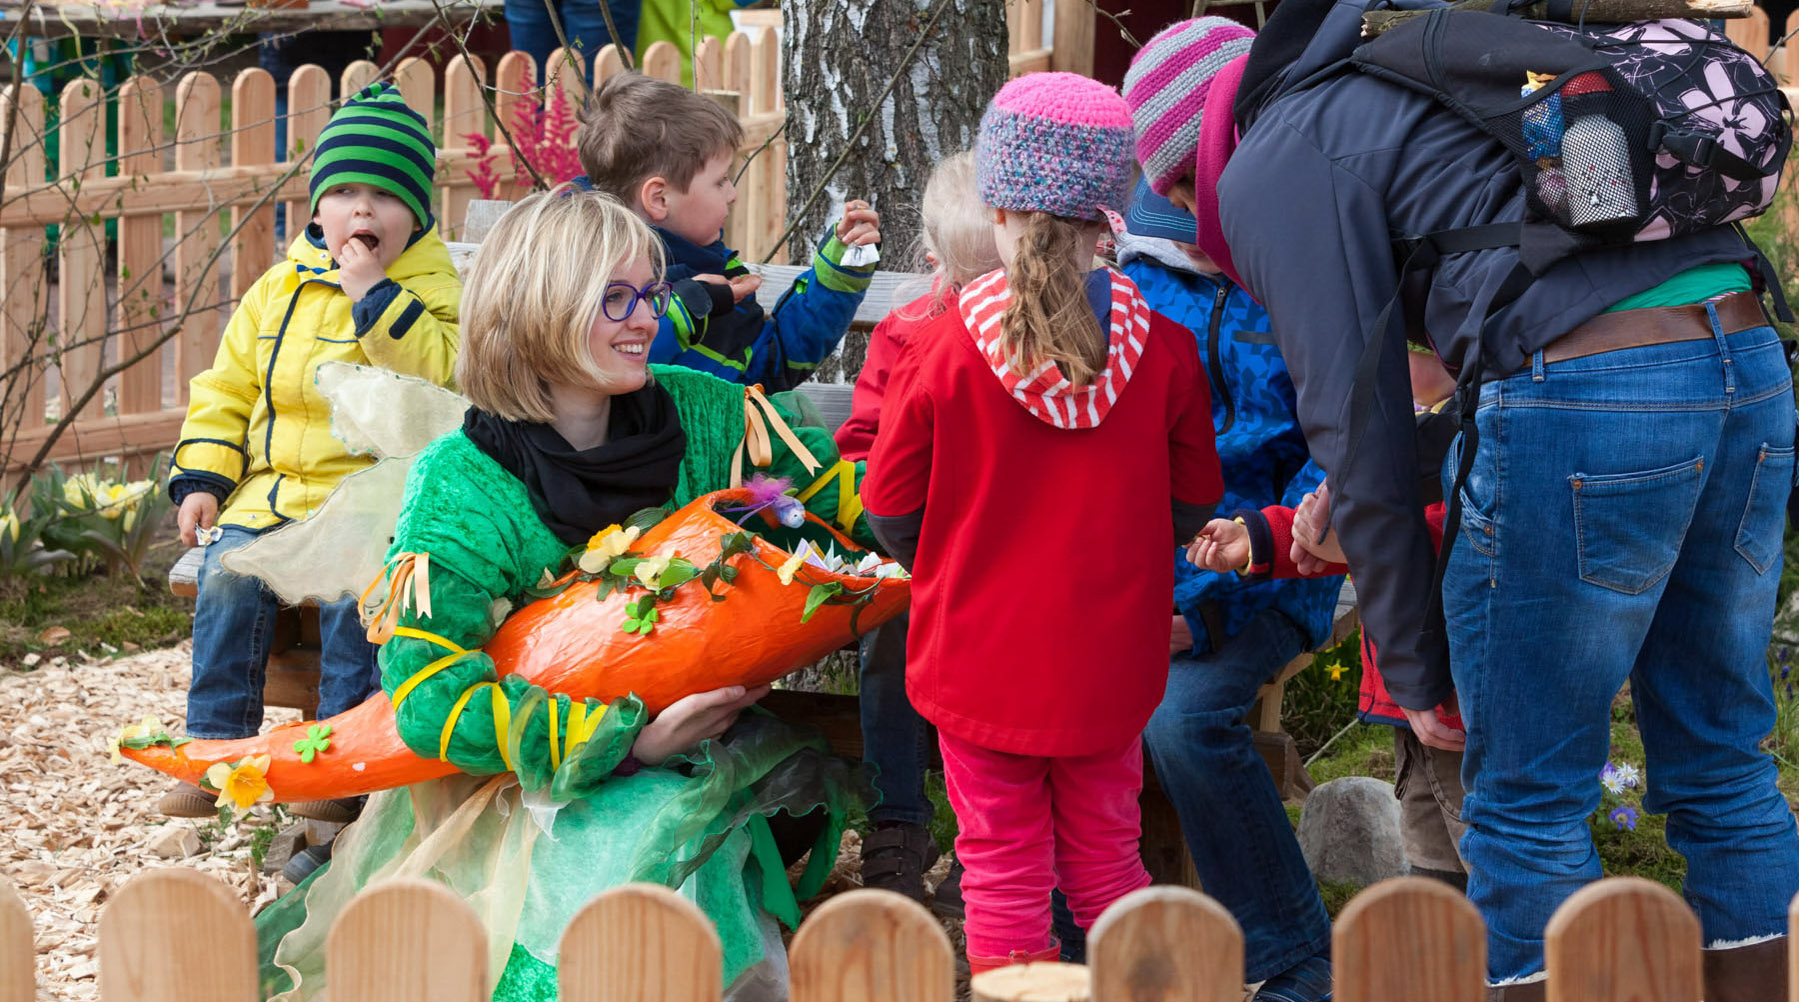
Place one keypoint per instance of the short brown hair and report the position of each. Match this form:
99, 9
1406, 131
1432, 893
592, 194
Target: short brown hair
636, 127
530, 297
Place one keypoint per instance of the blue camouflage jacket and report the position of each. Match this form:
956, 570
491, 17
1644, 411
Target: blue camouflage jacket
741, 342
1260, 446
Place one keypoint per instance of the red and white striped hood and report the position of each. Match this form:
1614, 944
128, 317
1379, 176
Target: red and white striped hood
1044, 391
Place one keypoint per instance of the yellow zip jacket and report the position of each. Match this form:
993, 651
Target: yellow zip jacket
256, 425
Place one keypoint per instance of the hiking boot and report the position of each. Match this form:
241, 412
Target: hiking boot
895, 856
947, 903
302, 864
188, 801
1307, 981
341, 811
1751, 973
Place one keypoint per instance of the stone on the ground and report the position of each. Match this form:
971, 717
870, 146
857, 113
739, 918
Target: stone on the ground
175, 842
1349, 832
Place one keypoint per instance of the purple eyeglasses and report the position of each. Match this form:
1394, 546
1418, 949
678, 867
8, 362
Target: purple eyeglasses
622, 297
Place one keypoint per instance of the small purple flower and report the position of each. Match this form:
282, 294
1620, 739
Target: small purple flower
1625, 817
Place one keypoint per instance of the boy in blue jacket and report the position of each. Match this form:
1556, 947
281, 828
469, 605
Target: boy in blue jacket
667, 153
1231, 633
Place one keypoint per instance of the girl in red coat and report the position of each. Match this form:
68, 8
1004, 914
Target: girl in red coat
1043, 445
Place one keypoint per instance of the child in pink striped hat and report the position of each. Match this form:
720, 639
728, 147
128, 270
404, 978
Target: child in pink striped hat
1041, 446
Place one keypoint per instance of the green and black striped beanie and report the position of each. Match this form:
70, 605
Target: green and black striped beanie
375, 139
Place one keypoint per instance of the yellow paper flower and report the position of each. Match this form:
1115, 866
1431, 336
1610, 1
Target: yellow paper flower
649, 571
786, 570
606, 546
148, 727
245, 784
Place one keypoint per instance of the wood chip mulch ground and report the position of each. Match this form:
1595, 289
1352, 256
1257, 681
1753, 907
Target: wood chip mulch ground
78, 826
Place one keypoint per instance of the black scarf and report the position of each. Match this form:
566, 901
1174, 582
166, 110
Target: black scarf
579, 492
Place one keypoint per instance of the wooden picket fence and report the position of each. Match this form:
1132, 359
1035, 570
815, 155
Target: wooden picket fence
178, 936
210, 166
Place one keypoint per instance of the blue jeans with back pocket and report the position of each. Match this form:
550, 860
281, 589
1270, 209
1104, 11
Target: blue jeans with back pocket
1622, 522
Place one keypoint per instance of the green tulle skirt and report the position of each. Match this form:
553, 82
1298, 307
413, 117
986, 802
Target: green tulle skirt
526, 866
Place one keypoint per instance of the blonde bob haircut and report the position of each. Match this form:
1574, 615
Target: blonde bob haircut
530, 298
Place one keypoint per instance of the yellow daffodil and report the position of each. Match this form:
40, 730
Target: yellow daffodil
649, 571
149, 727
243, 785
606, 546
786, 570
9, 524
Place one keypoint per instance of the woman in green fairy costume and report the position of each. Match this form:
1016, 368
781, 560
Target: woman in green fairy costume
571, 432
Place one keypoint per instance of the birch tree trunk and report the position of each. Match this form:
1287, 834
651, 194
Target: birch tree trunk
838, 56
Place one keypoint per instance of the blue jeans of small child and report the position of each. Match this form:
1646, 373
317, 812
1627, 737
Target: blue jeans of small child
583, 25
234, 617
1623, 521
1231, 814
895, 739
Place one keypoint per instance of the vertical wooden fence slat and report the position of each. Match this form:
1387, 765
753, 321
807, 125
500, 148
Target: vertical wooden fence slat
176, 936
736, 70
639, 943
24, 295
563, 73
308, 109
406, 941
709, 64
81, 291
1015, 27
1750, 33
1623, 938
764, 98
418, 87
1072, 49
1030, 13
513, 82
252, 143
609, 64
1792, 954
464, 114
140, 249
871, 946
197, 229
662, 61
355, 77
1166, 944
18, 954
1410, 939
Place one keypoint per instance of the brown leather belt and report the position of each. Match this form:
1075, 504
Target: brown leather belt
1739, 311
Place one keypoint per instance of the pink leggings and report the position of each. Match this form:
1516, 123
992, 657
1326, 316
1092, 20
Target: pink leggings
1029, 824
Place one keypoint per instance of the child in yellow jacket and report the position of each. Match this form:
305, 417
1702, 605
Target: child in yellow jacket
369, 282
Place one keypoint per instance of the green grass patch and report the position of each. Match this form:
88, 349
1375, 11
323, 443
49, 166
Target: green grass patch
103, 614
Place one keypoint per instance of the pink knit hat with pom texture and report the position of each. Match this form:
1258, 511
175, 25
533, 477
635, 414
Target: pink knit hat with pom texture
1057, 143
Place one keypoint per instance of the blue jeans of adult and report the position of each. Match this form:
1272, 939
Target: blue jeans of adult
583, 25
234, 619
1622, 521
1231, 814
895, 739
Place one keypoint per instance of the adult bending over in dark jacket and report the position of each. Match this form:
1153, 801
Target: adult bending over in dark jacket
1623, 516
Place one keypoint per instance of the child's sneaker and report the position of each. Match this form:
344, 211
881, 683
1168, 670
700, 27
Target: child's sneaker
1307, 981
947, 902
187, 801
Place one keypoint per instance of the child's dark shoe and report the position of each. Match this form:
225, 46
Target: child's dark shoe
895, 856
341, 811
1307, 981
947, 902
302, 864
188, 801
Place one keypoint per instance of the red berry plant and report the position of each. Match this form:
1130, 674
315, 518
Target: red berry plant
543, 139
